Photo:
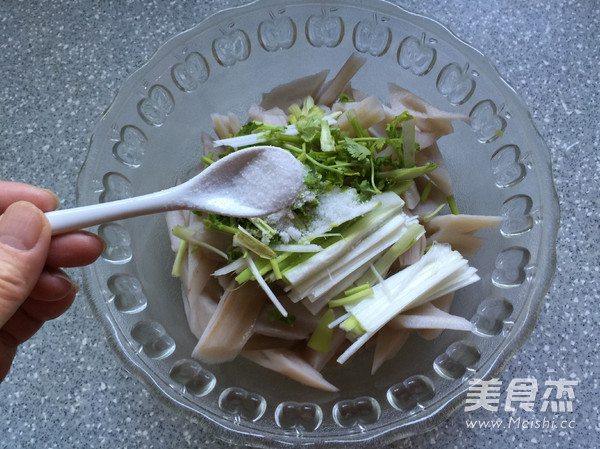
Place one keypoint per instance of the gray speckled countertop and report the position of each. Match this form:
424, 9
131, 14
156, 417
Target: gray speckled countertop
61, 64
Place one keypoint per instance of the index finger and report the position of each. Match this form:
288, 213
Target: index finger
11, 192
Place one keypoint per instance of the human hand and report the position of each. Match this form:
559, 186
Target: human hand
33, 287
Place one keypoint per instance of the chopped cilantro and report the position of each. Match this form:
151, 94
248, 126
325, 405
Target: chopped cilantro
356, 150
275, 315
346, 99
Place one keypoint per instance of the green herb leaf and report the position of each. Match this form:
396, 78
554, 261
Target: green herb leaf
327, 141
393, 129
219, 223
356, 150
308, 120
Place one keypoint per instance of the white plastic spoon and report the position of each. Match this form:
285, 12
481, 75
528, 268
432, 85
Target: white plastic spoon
253, 182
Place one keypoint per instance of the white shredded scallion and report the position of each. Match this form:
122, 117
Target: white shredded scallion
310, 248
231, 267
339, 320
264, 286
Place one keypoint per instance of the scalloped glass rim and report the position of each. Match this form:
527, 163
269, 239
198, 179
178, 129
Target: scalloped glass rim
440, 408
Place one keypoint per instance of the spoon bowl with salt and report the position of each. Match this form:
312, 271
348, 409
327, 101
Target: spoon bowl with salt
252, 182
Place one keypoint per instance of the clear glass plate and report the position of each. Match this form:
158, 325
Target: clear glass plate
149, 139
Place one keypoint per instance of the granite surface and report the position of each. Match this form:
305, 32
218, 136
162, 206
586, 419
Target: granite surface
62, 62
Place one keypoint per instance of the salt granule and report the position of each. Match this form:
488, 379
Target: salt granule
334, 208
269, 185
271, 178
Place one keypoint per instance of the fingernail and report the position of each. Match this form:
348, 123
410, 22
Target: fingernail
65, 277
20, 226
56, 198
104, 245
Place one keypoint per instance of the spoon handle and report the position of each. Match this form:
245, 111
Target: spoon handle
66, 220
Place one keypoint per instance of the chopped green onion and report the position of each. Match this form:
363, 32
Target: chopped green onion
426, 191
440, 271
320, 340
263, 266
432, 214
189, 236
248, 241
276, 270
208, 160
403, 244
264, 227
352, 326
452, 203
401, 187
359, 131
327, 142
350, 299
401, 174
357, 289
183, 246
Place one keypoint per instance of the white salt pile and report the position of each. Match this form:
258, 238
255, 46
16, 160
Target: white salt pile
334, 208
252, 182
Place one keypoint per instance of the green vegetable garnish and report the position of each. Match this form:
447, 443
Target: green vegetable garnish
346, 99
320, 339
275, 315
452, 204
245, 239
187, 235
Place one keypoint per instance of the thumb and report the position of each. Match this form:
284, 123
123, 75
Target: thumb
24, 240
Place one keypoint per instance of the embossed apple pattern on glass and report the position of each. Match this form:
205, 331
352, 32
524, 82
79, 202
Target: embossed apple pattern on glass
128, 295
512, 265
487, 121
325, 29
372, 36
507, 166
190, 377
242, 404
191, 73
301, 417
358, 412
155, 108
117, 241
460, 357
115, 187
455, 83
416, 55
491, 316
413, 392
232, 47
278, 32
131, 147
517, 215
153, 339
